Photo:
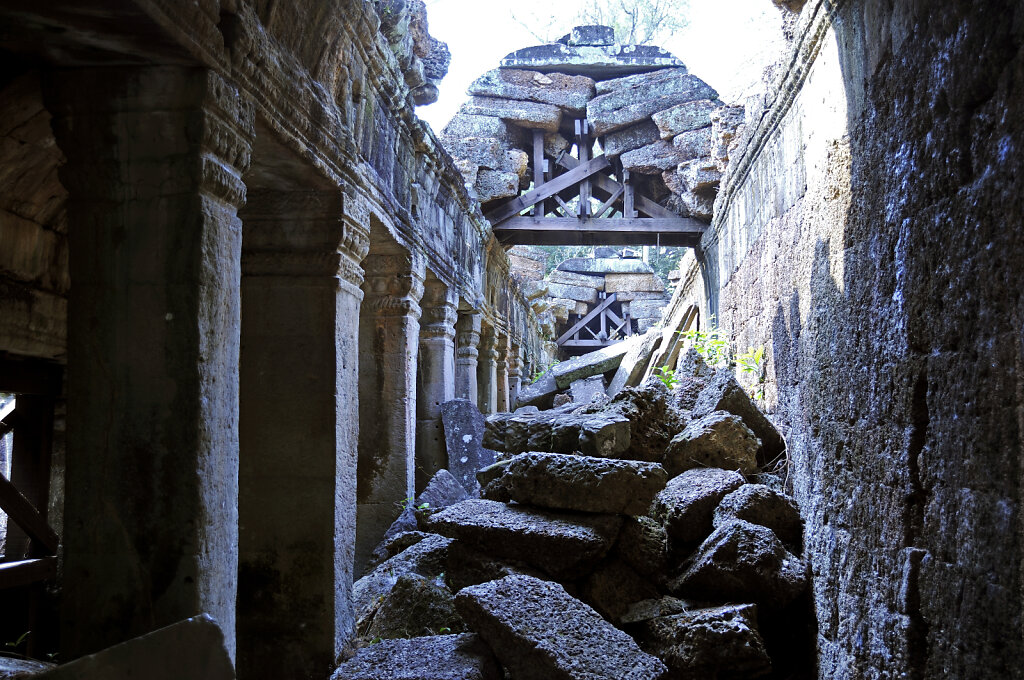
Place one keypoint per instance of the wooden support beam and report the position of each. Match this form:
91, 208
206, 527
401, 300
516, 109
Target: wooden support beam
607, 204
538, 165
27, 572
609, 185
639, 225
588, 318
20, 511
547, 190
629, 200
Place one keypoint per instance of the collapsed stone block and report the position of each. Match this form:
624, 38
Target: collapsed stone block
539, 632
653, 420
494, 184
464, 125
415, 606
484, 152
614, 587
685, 117
562, 544
464, 428
692, 144
700, 173
530, 115
605, 266
22, 669
593, 363
651, 159
647, 309
634, 137
725, 394
538, 393
583, 483
428, 557
613, 283
687, 504
645, 610
442, 490
758, 504
438, 657
642, 97
573, 279
634, 363
717, 440
588, 390
570, 292
567, 92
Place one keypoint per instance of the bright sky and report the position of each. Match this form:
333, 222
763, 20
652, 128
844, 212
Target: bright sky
728, 42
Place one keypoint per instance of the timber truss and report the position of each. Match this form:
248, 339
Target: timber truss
562, 208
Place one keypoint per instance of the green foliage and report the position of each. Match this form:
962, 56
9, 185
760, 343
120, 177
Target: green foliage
667, 376
751, 362
637, 22
710, 344
541, 372
407, 503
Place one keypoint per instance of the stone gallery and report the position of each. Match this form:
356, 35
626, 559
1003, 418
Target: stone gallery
287, 389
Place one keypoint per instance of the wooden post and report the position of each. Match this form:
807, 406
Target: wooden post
538, 170
583, 146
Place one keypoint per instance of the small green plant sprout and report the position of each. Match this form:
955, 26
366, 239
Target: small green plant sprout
444, 630
12, 647
751, 362
667, 376
710, 344
541, 372
407, 503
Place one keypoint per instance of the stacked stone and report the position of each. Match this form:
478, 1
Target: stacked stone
424, 60
659, 558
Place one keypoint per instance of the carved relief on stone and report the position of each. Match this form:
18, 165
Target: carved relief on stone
392, 285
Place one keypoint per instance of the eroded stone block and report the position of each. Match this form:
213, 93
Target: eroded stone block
568, 92
685, 117
717, 440
530, 115
438, 657
686, 506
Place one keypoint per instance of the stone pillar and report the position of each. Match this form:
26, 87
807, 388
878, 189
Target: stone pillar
435, 379
515, 375
298, 430
467, 340
154, 163
487, 373
389, 333
501, 370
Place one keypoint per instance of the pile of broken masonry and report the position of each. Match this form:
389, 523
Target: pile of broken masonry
666, 553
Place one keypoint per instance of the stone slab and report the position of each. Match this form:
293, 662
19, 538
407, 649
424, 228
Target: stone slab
609, 85
693, 144
442, 490
584, 483
717, 440
438, 657
428, 557
494, 184
630, 295
539, 393
647, 309
567, 92
464, 125
530, 115
574, 279
614, 283
485, 152
193, 648
593, 363
595, 61
634, 137
539, 632
415, 606
685, 117
758, 504
584, 391
724, 393
463, 435
634, 363
604, 265
569, 292
593, 35
699, 173
687, 504
562, 544
631, 104
652, 159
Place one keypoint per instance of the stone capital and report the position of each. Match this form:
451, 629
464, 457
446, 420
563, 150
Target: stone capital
393, 286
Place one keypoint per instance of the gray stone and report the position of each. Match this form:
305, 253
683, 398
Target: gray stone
577, 293
643, 133
428, 557
645, 610
561, 544
630, 295
634, 363
653, 420
685, 117
644, 97
697, 174
535, 289
530, 115
484, 152
600, 434
616, 282
393, 544
758, 504
725, 394
589, 60
584, 483
193, 648
555, 144
494, 184
415, 606
647, 309
567, 92
594, 35
540, 632
622, 83
693, 144
743, 562
20, 669
463, 125
643, 544
539, 393
604, 265
652, 159
593, 363
698, 204
463, 435
691, 362
686, 506
488, 474
438, 657
573, 279
442, 490
614, 587
720, 642
717, 440
584, 391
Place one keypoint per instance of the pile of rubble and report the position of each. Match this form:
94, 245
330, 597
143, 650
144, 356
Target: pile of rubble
666, 552
659, 121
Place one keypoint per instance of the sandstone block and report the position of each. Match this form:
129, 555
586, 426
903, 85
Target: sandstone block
659, 91
593, 363
517, 161
193, 648
584, 483
687, 504
567, 92
485, 152
647, 309
539, 632
725, 394
613, 283
743, 562
442, 490
758, 504
700, 173
651, 159
700, 204
535, 289
643, 544
643, 133
555, 144
692, 363
634, 363
685, 117
539, 393
573, 279
584, 391
561, 544
653, 421
428, 557
693, 144
464, 428
718, 642
604, 265
614, 587
717, 440
632, 81
569, 292
598, 434
488, 474
494, 184
530, 115
630, 295
464, 125
416, 606
439, 657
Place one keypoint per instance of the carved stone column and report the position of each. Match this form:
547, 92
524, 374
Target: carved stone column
436, 379
298, 425
515, 375
467, 340
487, 372
501, 370
389, 333
155, 157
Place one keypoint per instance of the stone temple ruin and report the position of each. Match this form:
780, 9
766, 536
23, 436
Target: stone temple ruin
267, 353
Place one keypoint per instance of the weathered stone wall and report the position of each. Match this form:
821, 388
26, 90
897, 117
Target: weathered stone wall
869, 235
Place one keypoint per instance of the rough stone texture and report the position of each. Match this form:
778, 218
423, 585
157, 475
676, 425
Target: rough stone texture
743, 562
415, 606
758, 504
427, 557
596, 434
463, 434
593, 363
599, 36
442, 490
483, 152
647, 309
614, 283
530, 115
717, 440
604, 265
726, 127
540, 632
698, 174
570, 292
573, 279
634, 363
583, 483
653, 420
687, 504
684, 117
439, 657
20, 669
567, 92
643, 133
645, 610
394, 543
590, 60
725, 394
494, 184
614, 588
193, 648
720, 642
463, 125
693, 144
587, 390
651, 159
643, 544
641, 98
538, 393
561, 544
